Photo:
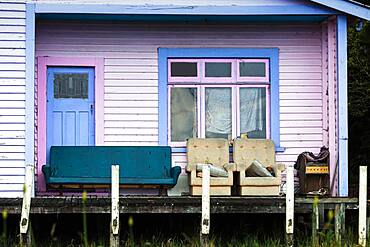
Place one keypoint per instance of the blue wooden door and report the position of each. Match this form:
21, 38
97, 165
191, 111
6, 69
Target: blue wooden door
70, 107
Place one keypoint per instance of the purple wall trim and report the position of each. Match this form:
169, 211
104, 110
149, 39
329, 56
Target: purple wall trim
30, 85
342, 104
42, 64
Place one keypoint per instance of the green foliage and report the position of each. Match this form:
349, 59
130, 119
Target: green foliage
359, 71
358, 97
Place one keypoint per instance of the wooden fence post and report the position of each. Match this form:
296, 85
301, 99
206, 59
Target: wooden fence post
289, 206
362, 206
315, 221
26, 205
205, 223
114, 229
340, 218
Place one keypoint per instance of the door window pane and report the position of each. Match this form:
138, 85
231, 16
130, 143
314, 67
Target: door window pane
183, 114
218, 69
253, 112
184, 69
252, 69
218, 112
71, 85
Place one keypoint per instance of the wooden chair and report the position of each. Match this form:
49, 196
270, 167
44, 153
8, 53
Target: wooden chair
213, 151
245, 152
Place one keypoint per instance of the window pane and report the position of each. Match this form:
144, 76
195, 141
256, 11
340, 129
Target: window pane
253, 112
218, 69
183, 114
184, 69
218, 112
71, 85
252, 69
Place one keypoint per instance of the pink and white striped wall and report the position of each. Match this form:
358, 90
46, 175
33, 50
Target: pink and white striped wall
131, 73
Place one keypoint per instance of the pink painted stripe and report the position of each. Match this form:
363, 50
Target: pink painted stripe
41, 121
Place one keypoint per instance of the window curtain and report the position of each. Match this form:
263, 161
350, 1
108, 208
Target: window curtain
252, 109
218, 112
183, 113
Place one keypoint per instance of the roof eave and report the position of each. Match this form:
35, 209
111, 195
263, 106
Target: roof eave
346, 7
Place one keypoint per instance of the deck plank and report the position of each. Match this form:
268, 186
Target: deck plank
163, 204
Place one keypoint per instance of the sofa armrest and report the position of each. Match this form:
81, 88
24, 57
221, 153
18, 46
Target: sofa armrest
46, 169
278, 168
175, 172
230, 167
191, 167
241, 167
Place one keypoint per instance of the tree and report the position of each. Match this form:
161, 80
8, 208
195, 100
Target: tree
358, 97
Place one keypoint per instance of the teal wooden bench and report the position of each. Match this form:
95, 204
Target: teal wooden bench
92, 165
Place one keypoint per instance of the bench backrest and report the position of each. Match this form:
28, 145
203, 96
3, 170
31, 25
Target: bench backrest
96, 161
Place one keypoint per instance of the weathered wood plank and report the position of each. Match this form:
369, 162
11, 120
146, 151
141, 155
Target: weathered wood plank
362, 206
115, 225
183, 204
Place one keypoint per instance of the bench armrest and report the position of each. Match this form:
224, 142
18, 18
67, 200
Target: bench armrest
175, 172
46, 169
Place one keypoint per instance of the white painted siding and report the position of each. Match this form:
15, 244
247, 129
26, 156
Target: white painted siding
131, 72
12, 97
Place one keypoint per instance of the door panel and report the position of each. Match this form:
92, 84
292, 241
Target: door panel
70, 107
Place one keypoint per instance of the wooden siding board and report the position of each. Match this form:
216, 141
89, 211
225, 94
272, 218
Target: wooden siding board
12, 97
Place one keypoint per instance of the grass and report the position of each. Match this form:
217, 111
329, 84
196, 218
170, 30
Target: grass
325, 239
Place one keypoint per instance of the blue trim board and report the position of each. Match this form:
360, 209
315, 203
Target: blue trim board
342, 105
347, 7
30, 86
165, 53
301, 9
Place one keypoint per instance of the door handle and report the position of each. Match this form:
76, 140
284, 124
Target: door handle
91, 108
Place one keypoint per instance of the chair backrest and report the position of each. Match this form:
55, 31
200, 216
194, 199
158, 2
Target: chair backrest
247, 150
210, 150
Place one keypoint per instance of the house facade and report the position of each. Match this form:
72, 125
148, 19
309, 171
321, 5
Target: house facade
147, 73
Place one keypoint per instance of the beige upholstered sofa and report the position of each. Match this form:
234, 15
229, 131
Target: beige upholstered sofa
213, 151
245, 152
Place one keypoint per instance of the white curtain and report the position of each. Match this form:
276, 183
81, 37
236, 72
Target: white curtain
183, 113
218, 110
251, 109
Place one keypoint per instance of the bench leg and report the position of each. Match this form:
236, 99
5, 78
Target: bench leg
162, 191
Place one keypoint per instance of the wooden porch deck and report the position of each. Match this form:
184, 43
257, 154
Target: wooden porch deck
166, 204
